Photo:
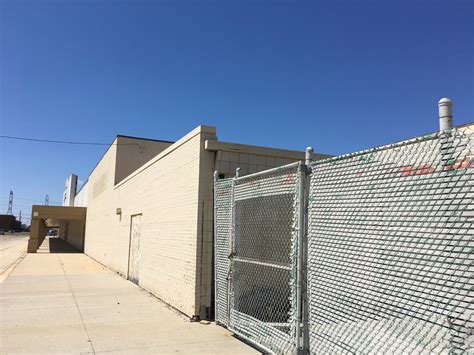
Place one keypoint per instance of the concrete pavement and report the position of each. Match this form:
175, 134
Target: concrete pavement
68, 303
12, 247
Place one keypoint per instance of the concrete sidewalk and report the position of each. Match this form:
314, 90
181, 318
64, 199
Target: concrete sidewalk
12, 247
68, 303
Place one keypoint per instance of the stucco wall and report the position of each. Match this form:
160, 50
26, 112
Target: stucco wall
166, 192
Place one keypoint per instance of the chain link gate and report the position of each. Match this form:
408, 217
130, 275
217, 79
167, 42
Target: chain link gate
256, 251
388, 257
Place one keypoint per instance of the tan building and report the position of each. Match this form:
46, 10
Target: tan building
70, 221
150, 210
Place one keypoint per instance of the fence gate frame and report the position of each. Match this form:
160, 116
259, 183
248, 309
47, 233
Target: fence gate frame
300, 184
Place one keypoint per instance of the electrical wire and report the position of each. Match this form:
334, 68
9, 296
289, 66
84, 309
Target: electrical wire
64, 142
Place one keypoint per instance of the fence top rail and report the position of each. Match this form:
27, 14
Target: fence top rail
264, 172
424, 138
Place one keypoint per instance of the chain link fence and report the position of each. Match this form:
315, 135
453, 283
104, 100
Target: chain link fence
384, 238
390, 249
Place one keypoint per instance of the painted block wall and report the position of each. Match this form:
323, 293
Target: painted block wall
249, 163
134, 153
166, 192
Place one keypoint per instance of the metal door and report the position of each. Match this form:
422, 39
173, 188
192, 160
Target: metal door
134, 251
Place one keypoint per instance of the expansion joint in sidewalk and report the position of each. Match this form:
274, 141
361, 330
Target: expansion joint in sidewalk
77, 305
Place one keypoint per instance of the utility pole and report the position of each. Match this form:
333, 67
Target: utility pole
19, 218
10, 204
46, 200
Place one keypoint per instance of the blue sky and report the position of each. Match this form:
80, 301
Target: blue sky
337, 75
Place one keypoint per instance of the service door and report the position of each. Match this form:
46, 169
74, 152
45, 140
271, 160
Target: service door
134, 252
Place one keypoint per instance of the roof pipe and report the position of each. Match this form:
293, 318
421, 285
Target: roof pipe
445, 108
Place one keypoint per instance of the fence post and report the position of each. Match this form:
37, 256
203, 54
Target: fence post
305, 300
308, 156
299, 261
214, 247
232, 249
302, 341
445, 109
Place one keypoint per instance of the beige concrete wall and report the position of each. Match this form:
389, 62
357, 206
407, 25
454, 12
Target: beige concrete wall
38, 232
75, 234
132, 153
204, 252
63, 229
166, 192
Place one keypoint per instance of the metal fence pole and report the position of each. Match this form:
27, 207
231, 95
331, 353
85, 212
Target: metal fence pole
308, 156
445, 110
214, 261
301, 329
305, 308
232, 249
299, 262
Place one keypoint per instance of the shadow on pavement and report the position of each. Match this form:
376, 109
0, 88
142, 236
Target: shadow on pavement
58, 245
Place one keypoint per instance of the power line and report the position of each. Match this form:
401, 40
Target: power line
64, 142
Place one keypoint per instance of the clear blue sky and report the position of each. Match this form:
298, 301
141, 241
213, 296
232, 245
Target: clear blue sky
338, 75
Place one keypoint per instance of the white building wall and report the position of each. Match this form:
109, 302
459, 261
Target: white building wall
81, 198
70, 189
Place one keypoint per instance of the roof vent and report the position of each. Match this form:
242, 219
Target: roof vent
445, 107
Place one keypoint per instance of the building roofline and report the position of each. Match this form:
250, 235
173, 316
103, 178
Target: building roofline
143, 139
112, 144
214, 145
465, 125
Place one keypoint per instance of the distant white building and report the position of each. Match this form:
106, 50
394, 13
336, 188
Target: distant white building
70, 189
